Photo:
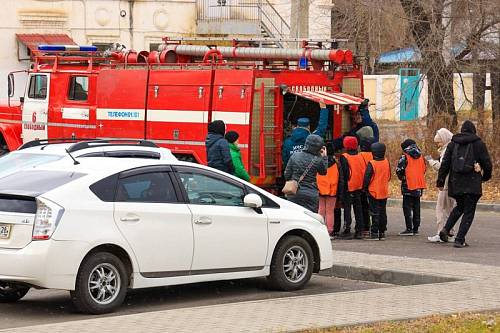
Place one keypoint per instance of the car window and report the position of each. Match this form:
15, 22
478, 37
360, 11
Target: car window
13, 162
202, 189
146, 187
38, 87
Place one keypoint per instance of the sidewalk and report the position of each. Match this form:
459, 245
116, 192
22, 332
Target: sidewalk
477, 289
481, 207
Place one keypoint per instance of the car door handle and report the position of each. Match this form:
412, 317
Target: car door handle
130, 219
203, 220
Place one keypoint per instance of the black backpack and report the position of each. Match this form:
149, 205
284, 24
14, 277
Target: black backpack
462, 159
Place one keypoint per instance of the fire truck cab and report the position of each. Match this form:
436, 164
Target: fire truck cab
171, 95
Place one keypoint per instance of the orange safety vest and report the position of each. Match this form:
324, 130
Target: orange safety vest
379, 184
357, 168
367, 156
327, 184
415, 173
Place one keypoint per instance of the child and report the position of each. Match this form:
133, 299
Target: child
239, 169
366, 151
330, 186
354, 168
411, 171
376, 184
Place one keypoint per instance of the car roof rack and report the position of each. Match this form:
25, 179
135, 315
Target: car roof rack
110, 142
45, 142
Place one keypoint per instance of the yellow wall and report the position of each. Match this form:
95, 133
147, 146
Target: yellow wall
390, 92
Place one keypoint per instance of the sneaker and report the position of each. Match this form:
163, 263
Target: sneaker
381, 236
443, 235
373, 237
459, 245
366, 234
406, 233
415, 233
434, 239
346, 234
358, 235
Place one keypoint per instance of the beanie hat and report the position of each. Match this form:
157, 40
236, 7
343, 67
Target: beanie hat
303, 122
443, 136
217, 126
408, 142
468, 127
350, 143
378, 150
365, 143
232, 136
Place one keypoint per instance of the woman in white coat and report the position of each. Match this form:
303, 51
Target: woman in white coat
444, 203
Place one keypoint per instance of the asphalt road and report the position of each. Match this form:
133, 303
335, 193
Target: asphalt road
53, 306
483, 239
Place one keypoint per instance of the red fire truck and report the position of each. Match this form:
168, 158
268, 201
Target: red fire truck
169, 96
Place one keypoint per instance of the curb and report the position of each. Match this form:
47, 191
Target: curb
481, 207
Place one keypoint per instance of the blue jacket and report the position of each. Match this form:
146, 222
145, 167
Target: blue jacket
218, 154
366, 120
295, 142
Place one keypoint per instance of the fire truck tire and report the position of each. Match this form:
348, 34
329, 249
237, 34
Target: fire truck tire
12, 292
101, 284
292, 264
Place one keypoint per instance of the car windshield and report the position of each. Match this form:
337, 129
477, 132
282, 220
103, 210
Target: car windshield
13, 162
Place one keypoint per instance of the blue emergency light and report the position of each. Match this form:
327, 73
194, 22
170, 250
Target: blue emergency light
82, 48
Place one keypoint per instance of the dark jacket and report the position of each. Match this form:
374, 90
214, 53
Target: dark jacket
296, 141
470, 183
415, 153
218, 155
307, 194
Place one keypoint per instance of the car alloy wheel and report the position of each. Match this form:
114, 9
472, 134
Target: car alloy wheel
104, 283
295, 264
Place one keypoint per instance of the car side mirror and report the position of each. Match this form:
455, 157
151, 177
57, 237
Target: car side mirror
252, 200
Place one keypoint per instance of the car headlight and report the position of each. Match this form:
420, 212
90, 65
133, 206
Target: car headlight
315, 216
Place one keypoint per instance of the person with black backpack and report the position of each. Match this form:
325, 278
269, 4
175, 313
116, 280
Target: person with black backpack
468, 164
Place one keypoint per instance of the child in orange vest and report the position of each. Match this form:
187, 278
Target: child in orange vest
411, 171
330, 186
353, 167
376, 185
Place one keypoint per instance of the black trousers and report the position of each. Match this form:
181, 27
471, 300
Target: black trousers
466, 207
366, 211
337, 219
378, 213
353, 200
411, 211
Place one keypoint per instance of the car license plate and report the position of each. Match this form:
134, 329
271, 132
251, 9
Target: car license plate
4, 230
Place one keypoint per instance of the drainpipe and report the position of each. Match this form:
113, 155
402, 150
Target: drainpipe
131, 22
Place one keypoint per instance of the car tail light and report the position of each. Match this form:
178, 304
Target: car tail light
48, 215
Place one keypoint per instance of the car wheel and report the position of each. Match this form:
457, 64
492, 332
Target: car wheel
101, 284
292, 264
11, 292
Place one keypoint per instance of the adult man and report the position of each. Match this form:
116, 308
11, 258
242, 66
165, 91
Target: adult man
468, 164
295, 142
218, 153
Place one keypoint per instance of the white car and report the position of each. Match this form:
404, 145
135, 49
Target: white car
106, 225
38, 152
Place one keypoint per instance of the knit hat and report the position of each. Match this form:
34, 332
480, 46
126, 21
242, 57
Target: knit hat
408, 142
350, 143
232, 136
378, 150
303, 122
217, 126
443, 136
468, 127
365, 135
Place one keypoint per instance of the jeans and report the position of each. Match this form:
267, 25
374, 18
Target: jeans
379, 215
353, 199
466, 207
411, 211
326, 207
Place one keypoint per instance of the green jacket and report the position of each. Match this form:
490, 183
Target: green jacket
239, 169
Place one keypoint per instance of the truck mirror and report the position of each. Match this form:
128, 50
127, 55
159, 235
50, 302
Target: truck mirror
10, 84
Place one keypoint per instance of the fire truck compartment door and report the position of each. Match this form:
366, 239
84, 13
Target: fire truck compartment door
36, 107
330, 98
178, 107
121, 103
